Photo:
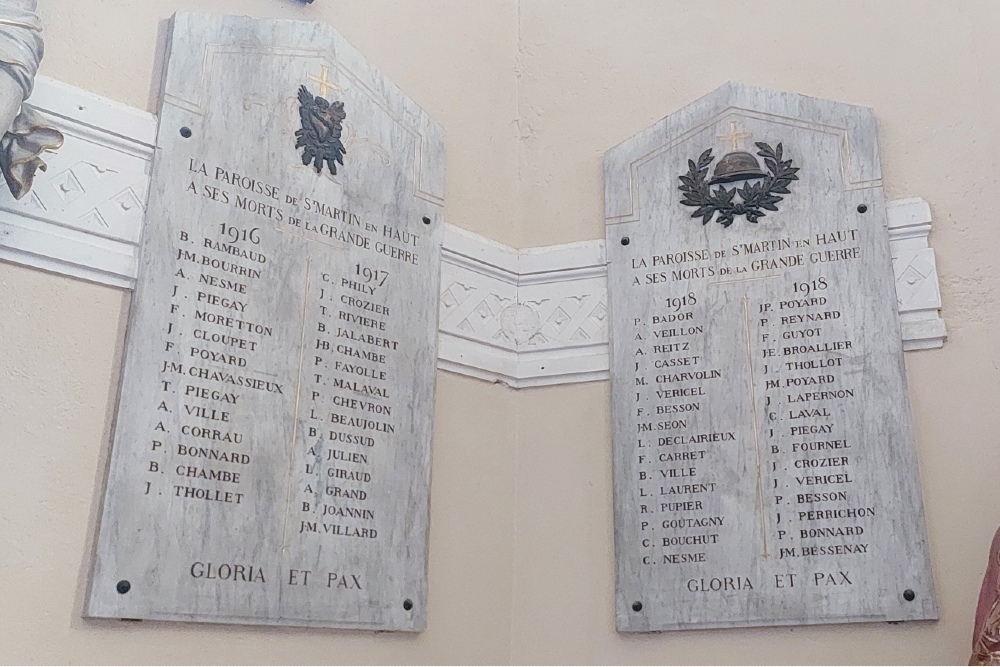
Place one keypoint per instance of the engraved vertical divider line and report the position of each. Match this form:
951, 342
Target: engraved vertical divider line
756, 426
298, 397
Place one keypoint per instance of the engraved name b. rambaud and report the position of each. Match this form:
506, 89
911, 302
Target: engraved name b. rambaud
759, 192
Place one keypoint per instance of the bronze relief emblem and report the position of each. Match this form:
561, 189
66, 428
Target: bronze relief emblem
322, 127
760, 191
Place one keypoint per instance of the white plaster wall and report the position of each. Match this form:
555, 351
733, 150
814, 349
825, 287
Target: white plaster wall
531, 93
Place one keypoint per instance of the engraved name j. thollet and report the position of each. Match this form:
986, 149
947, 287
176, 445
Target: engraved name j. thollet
760, 191
320, 135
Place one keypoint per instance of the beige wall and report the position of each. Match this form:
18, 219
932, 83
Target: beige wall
531, 93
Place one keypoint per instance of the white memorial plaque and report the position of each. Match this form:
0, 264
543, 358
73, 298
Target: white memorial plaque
271, 455
764, 467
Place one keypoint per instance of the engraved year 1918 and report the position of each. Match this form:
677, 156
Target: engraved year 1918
806, 288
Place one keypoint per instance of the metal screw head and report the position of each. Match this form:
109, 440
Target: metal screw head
186, 132
625, 240
407, 604
427, 220
123, 587
909, 595
636, 606
862, 208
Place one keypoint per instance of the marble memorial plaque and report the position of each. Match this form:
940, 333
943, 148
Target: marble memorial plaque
764, 468
271, 454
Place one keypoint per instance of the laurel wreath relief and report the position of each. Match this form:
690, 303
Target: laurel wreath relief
756, 198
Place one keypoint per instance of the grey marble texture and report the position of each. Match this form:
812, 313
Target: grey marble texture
764, 468
271, 456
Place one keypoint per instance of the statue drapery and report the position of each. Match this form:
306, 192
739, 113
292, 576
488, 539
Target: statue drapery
27, 135
986, 637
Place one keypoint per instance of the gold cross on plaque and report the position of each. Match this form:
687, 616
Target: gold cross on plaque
734, 136
324, 82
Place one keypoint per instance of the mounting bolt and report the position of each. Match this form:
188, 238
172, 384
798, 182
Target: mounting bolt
625, 240
123, 587
909, 595
636, 606
186, 132
862, 208
407, 604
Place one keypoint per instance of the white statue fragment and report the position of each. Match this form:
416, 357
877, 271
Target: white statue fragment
27, 135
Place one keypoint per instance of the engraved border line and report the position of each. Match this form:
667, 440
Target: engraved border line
298, 397
756, 426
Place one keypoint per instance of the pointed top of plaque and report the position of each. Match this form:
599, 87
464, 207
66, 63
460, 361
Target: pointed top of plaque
315, 56
730, 120
289, 172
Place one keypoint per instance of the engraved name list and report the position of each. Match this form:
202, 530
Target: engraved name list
271, 458
764, 467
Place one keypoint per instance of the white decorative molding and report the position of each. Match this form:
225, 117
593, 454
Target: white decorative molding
83, 216
521, 317
917, 291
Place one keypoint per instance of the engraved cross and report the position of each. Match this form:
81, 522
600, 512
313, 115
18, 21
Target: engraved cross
325, 84
734, 136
